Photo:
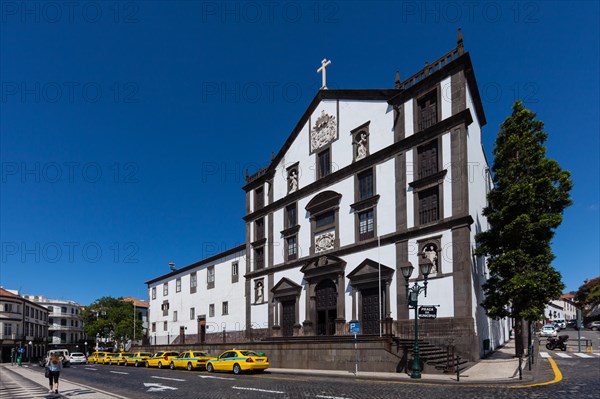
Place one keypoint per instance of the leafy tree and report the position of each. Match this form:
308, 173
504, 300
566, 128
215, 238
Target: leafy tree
588, 295
524, 208
112, 318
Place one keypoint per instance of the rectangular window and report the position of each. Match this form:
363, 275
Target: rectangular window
235, 272
165, 289
429, 206
7, 329
259, 229
326, 219
192, 313
153, 292
365, 185
193, 282
259, 198
427, 158
225, 308
63, 322
259, 258
210, 277
174, 315
324, 163
292, 215
8, 307
178, 285
165, 308
211, 310
366, 228
427, 109
63, 310
292, 247
165, 326
153, 327
27, 311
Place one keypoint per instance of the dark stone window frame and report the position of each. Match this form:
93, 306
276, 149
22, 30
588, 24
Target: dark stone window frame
430, 92
356, 133
440, 204
291, 230
291, 256
318, 153
288, 223
235, 271
193, 282
259, 229
210, 284
357, 234
321, 203
357, 177
259, 261
259, 198
419, 166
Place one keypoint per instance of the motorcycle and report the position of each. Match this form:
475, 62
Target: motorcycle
554, 343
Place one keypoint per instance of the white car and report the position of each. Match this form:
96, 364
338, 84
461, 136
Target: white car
77, 358
548, 331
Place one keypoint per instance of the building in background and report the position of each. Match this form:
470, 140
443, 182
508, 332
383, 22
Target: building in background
140, 310
65, 326
23, 327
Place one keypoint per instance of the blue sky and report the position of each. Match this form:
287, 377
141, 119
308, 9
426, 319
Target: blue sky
127, 127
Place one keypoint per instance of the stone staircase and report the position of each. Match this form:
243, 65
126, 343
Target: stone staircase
434, 359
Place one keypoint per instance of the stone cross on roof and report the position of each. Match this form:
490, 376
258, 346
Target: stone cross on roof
324, 64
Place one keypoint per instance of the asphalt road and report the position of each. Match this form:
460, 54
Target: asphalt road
581, 379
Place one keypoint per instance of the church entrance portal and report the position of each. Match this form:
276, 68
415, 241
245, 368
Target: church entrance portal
288, 317
326, 304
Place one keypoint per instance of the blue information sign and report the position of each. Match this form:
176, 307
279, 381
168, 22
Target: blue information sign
21, 350
355, 328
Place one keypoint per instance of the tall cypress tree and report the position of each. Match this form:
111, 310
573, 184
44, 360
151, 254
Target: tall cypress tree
524, 209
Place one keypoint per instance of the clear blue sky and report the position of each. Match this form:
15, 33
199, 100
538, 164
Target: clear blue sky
127, 127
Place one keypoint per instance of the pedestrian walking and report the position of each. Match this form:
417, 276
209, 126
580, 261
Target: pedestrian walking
54, 369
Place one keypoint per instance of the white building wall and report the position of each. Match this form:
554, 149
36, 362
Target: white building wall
410, 200
446, 95
409, 127
183, 301
385, 187
447, 164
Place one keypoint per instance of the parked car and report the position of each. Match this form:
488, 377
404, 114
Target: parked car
594, 325
138, 359
562, 324
191, 360
97, 357
548, 331
161, 359
106, 359
572, 323
77, 358
238, 360
120, 358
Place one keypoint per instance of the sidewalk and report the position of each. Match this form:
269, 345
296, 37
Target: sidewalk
66, 389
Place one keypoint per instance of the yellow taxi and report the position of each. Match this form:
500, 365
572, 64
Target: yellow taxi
97, 357
238, 360
120, 358
191, 360
138, 359
107, 358
161, 359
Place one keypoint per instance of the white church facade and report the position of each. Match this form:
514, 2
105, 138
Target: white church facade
369, 181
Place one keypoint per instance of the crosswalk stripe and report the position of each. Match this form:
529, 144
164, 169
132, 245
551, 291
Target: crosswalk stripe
545, 355
583, 355
563, 355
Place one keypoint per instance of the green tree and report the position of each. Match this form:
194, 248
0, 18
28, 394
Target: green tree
524, 208
588, 295
111, 318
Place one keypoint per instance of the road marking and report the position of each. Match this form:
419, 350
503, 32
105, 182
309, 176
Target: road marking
256, 389
167, 378
119, 372
545, 355
154, 387
217, 378
331, 397
583, 355
90, 368
563, 355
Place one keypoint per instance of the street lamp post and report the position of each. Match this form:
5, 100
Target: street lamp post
412, 294
30, 349
97, 342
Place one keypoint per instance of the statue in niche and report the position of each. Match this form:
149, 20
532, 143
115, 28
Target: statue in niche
430, 252
361, 146
293, 180
259, 292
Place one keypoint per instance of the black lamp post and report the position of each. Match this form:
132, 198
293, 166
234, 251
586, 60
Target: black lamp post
412, 294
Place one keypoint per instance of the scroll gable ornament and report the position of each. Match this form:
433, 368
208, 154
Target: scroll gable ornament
323, 131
